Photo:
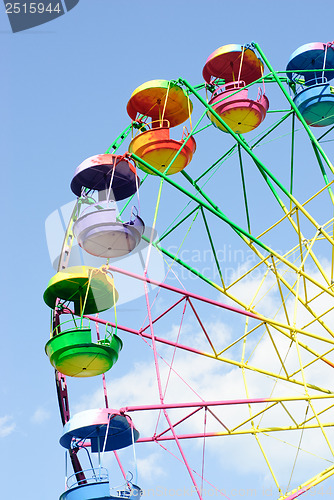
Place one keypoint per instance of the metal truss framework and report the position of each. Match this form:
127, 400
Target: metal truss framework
300, 279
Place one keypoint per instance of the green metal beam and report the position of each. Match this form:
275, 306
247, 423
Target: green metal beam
271, 129
167, 232
212, 245
323, 172
294, 107
258, 162
183, 264
327, 132
120, 139
256, 143
244, 188
228, 153
239, 140
292, 151
216, 212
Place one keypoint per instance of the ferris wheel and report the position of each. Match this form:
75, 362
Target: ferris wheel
242, 357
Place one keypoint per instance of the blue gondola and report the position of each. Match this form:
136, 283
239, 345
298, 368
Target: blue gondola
104, 427
97, 487
310, 69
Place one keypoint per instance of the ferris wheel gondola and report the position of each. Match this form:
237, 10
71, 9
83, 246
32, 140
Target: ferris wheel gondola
310, 69
230, 70
168, 106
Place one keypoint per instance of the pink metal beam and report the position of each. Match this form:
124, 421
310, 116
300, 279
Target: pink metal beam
185, 293
97, 326
164, 313
181, 436
298, 493
202, 326
199, 404
179, 422
145, 335
197, 474
156, 362
196, 435
121, 466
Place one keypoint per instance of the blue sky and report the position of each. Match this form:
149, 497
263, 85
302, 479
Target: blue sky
65, 86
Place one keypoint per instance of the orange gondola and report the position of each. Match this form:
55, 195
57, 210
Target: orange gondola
168, 106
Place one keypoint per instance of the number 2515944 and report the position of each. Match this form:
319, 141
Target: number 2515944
32, 8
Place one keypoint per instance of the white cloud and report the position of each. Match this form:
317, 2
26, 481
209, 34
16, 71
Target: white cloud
40, 416
151, 466
7, 426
